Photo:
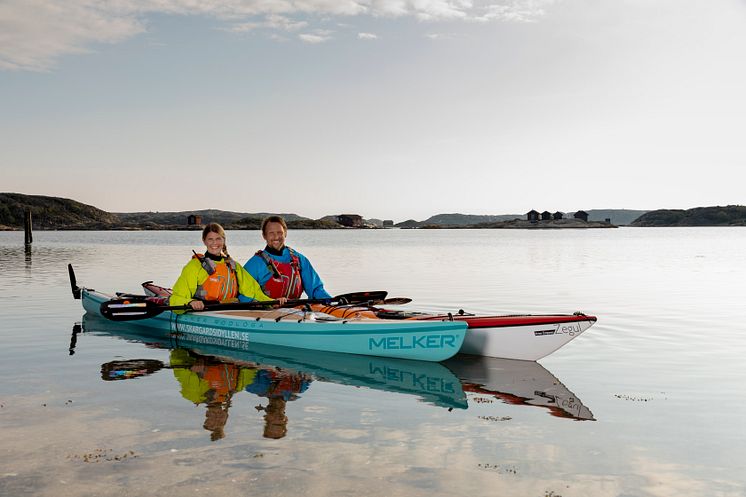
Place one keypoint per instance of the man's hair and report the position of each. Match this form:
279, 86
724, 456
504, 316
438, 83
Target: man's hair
273, 219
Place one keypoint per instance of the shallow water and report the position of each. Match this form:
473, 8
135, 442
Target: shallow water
649, 402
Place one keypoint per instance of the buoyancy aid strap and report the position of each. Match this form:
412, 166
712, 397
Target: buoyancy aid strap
270, 265
295, 260
207, 264
295, 278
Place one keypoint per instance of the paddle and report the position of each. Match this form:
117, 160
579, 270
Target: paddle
126, 310
73, 283
391, 301
130, 310
135, 368
354, 297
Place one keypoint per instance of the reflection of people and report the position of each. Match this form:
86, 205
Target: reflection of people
279, 387
214, 276
280, 270
275, 421
215, 419
207, 381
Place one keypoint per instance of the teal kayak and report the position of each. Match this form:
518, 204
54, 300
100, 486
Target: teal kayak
418, 340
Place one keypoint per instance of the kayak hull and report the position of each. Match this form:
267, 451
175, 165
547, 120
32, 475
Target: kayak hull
418, 340
527, 338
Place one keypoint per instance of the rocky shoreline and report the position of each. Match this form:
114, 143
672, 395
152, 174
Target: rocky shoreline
551, 224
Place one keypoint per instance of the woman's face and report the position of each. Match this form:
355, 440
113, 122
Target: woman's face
214, 243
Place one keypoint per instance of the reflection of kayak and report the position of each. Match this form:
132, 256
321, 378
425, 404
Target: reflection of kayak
421, 340
432, 382
519, 383
526, 337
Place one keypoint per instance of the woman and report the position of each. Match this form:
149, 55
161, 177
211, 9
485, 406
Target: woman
214, 276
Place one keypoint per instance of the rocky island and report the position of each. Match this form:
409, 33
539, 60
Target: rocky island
55, 213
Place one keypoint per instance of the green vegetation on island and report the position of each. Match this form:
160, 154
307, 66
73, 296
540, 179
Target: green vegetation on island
54, 213
731, 215
51, 213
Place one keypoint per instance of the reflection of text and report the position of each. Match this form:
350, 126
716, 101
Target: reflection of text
242, 344
412, 342
410, 379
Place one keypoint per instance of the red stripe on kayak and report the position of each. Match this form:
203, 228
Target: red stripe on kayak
525, 320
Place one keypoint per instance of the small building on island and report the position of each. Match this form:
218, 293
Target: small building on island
388, 223
558, 215
532, 215
546, 216
581, 215
194, 219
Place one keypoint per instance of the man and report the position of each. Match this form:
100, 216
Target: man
282, 271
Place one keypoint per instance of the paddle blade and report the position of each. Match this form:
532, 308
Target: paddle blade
394, 301
124, 370
126, 310
359, 297
73, 283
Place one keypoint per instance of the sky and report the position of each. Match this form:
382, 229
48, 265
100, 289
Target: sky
391, 109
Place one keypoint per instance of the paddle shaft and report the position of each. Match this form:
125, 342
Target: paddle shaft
127, 310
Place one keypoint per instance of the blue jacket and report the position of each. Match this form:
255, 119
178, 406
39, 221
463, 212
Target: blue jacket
312, 284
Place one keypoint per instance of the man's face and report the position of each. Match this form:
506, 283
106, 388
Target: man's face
274, 235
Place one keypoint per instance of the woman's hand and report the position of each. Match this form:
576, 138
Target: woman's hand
282, 301
197, 305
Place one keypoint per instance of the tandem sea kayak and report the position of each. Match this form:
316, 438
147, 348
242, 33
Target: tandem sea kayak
418, 340
527, 337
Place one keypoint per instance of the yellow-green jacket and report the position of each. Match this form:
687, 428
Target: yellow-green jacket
194, 275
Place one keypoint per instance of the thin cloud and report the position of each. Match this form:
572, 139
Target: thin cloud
312, 39
274, 22
367, 36
318, 36
34, 34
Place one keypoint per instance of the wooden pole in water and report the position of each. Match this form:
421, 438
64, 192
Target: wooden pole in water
28, 236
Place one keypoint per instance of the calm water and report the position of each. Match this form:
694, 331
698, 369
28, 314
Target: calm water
649, 402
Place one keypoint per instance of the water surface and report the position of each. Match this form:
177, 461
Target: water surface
649, 402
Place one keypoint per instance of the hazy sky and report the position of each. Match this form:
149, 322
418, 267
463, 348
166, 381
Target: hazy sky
385, 108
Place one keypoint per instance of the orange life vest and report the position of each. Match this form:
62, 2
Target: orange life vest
221, 283
285, 280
